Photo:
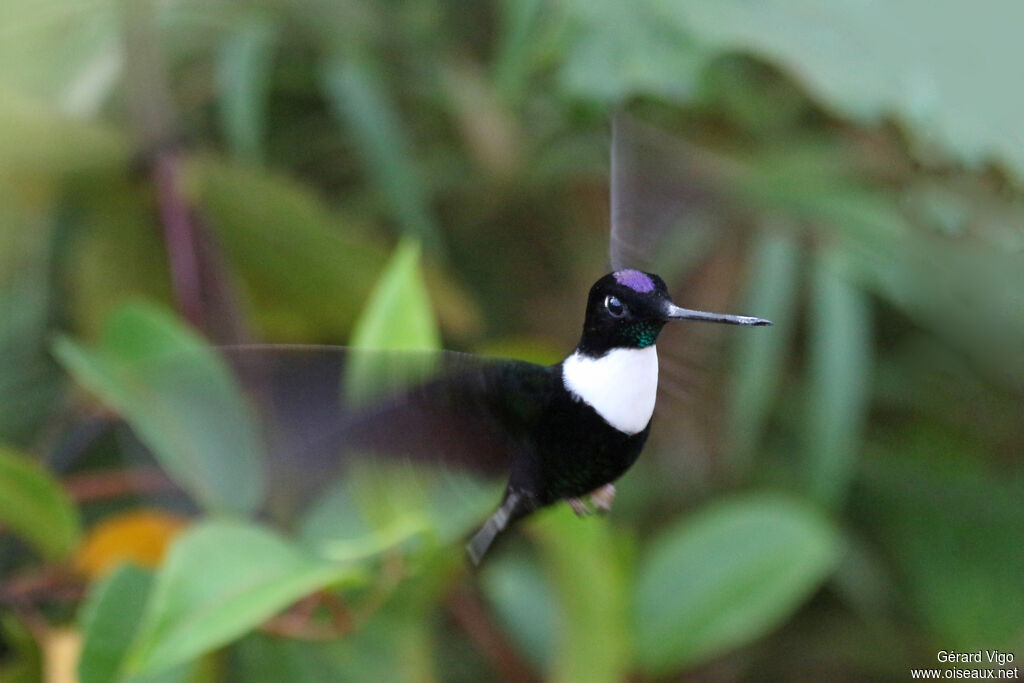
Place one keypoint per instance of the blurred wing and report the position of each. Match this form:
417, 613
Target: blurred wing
324, 407
655, 180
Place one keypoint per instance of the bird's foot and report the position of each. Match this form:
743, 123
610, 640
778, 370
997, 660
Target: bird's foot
602, 498
579, 507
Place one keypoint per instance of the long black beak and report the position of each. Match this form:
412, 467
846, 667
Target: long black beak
674, 312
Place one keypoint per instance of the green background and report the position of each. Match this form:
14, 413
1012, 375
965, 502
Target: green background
836, 497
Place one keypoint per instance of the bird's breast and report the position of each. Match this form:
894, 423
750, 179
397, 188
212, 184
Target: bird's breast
621, 386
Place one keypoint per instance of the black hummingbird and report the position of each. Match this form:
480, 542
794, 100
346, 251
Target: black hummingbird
580, 424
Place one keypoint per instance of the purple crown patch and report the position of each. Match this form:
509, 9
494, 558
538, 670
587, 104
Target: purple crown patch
635, 280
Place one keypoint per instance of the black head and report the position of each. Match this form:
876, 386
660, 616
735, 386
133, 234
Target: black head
628, 308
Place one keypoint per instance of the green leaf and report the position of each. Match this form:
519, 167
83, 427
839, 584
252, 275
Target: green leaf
727, 576
761, 356
306, 269
588, 566
33, 505
525, 605
358, 96
840, 364
620, 49
219, 581
918, 60
181, 400
244, 78
109, 619
399, 316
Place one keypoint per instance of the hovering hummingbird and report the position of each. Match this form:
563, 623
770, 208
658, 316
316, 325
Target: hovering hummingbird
582, 423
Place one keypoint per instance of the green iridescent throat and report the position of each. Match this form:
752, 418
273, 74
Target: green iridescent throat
643, 334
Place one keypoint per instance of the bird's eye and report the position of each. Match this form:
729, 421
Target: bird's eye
614, 306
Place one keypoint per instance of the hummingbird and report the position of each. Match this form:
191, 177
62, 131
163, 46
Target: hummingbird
580, 424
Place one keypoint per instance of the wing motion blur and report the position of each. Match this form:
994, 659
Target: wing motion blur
321, 408
655, 179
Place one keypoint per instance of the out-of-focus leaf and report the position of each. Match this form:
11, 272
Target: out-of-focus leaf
244, 79
110, 618
516, 46
33, 505
267, 659
942, 69
949, 526
525, 604
30, 381
181, 400
840, 364
760, 357
302, 264
398, 314
382, 505
726, 576
588, 566
22, 662
35, 139
137, 536
61, 50
220, 580
359, 98
621, 49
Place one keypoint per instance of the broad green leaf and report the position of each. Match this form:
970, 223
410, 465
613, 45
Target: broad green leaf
244, 79
944, 69
359, 97
772, 292
726, 576
221, 580
182, 401
34, 506
840, 364
588, 566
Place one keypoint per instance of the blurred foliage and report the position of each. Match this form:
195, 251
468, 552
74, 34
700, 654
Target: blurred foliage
837, 497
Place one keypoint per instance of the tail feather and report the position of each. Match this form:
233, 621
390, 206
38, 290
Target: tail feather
513, 506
